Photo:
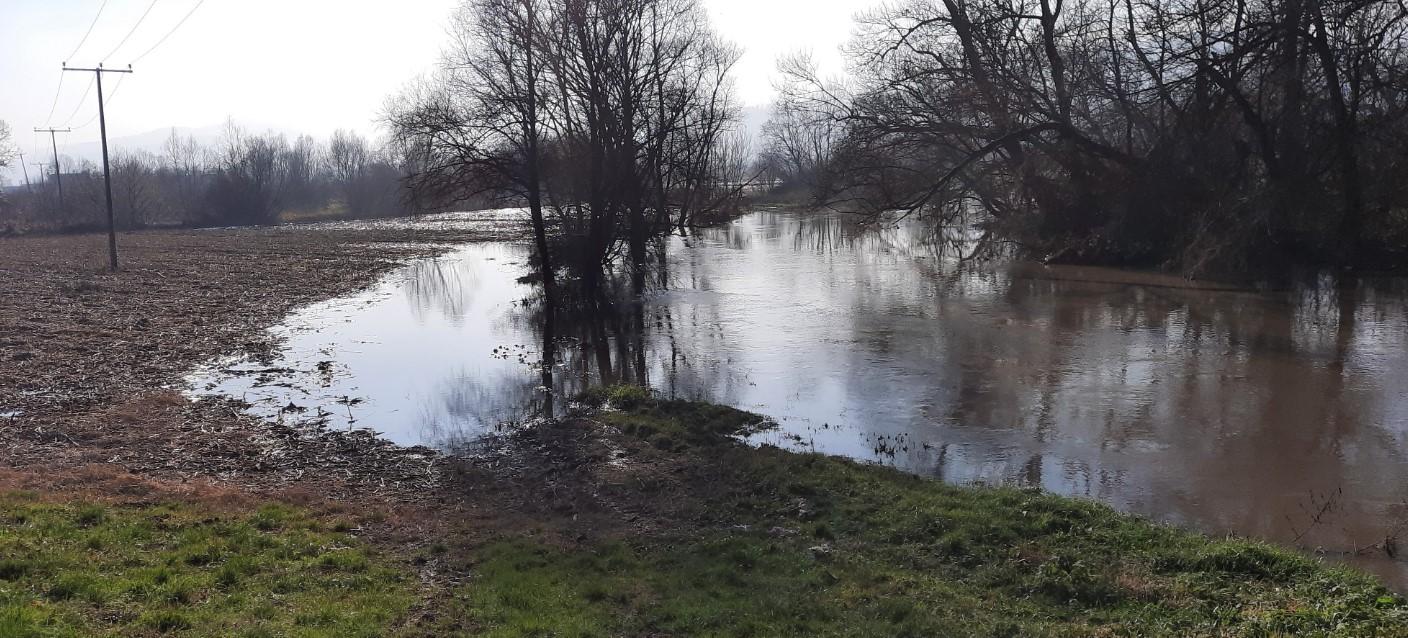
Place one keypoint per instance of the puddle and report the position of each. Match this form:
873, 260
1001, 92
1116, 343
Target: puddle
425, 356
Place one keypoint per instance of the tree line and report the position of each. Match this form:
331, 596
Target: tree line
1194, 135
244, 179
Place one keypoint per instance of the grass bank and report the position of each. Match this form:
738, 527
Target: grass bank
646, 517
763, 542
84, 569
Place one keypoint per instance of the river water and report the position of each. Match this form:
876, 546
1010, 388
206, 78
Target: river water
1281, 415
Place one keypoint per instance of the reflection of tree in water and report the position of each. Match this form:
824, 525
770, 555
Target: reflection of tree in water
471, 406
1032, 365
1249, 397
682, 348
618, 338
869, 235
597, 344
442, 285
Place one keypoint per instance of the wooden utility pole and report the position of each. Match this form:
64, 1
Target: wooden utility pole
107, 171
58, 172
41, 165
27, 188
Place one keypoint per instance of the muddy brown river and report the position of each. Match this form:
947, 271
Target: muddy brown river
1281, 415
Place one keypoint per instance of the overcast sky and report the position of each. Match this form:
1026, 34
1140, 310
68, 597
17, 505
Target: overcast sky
296, 65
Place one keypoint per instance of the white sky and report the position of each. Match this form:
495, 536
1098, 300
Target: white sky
299, 65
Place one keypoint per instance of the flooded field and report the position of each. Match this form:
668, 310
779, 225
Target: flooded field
1282, 415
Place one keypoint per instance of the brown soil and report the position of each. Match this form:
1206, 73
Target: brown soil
91, 367
90, 361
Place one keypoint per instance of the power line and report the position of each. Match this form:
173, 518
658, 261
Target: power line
90, 30
133, 30
118, 87
109, 97
169, 33
55, 105
58, 92
81, 100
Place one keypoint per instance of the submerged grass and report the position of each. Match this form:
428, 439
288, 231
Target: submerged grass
783, 544
84, 569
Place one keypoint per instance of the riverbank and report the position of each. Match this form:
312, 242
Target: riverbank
660, 523
647, 517
131, 510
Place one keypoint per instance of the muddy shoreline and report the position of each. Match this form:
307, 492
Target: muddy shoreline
93, 361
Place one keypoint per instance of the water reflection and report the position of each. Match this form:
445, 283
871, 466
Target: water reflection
1223, 411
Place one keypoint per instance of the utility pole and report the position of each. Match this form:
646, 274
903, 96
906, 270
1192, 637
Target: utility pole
107, 171
41, 165
27, 188
58, 172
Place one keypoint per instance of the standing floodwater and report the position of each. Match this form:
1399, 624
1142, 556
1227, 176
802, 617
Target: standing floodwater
1281, 415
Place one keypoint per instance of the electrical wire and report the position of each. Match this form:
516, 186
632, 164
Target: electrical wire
89, 32
107, 100
55, 105
81, 101
59, 91
169, 33
131, 31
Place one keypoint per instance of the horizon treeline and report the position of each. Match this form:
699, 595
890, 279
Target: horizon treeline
1191, 135
243, 179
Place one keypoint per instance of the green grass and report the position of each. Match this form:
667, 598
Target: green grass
743, 542
81, 569
782, 544
671, 425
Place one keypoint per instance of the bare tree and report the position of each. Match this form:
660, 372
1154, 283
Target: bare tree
134, 188
184, 162
479, 123
251, 175
642, 99
603, 116
7, 146
1191, 134
302, 161
347, 156
799, 140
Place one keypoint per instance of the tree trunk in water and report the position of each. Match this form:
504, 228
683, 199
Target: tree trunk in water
1351, 221
638, 236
